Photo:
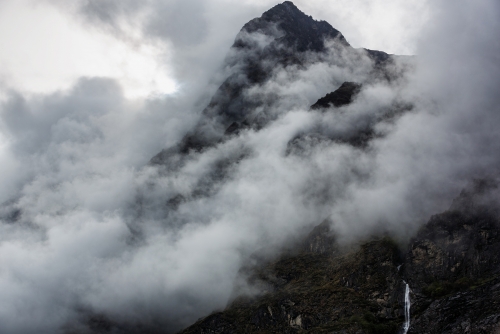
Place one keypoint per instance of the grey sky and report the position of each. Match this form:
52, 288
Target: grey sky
150, 46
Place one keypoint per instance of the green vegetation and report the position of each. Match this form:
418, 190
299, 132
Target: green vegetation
372, 324
439, 289
346, 291
443, 288
368, 322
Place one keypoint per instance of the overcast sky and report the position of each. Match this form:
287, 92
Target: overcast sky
46, 45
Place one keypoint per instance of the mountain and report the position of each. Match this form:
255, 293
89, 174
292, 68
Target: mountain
282, 38
444, 280
451, 266
447, 276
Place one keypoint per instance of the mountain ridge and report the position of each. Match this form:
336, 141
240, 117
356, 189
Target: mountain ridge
291, 37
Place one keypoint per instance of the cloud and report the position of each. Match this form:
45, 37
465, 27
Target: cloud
50, 50
72, 161
93, 222
450, 136
91, 233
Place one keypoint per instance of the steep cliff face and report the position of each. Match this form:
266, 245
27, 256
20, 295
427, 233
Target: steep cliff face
342, 96
452, 268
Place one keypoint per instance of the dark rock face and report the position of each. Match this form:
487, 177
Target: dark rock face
340, 97
358, 136
299, 31
469, 233
380, 57
320, 290
282, 37
449, 241
452, 267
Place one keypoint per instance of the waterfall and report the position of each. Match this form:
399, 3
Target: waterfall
406, 325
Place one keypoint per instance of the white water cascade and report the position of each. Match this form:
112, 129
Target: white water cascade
406, 325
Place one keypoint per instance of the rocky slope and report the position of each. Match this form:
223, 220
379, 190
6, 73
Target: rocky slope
452, 267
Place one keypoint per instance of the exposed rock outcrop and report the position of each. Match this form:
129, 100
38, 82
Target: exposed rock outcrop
340, 97
453, 266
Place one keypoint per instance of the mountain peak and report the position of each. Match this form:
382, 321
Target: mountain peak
288, 3
300, 31
286, 6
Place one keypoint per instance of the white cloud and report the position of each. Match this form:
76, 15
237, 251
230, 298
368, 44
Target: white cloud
43, 50
88, 229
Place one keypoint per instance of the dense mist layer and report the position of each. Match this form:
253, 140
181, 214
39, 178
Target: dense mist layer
90, 230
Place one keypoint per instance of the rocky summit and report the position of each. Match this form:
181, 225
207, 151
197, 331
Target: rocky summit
282, 38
